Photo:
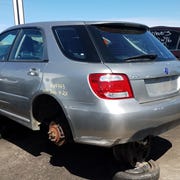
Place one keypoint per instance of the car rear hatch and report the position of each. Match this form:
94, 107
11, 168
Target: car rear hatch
151, 81
131, 49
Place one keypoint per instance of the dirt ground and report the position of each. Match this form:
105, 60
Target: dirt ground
28, 155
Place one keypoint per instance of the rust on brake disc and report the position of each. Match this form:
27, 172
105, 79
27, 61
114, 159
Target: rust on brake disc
56, 134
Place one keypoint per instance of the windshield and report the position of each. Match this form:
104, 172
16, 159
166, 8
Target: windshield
119, 44
169, 38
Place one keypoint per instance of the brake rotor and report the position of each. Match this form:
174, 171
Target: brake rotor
56, 134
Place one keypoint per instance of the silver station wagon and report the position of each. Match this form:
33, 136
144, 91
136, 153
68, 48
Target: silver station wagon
110, 84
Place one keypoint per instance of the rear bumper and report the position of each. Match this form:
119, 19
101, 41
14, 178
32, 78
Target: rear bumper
107, 123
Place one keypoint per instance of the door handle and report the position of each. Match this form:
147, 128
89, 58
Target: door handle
33, 72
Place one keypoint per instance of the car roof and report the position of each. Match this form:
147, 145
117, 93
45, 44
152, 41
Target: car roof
58, 23
165, 28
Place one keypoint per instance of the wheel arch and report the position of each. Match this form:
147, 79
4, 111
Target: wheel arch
45, 107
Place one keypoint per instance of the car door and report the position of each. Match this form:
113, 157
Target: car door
22, 74
6, 41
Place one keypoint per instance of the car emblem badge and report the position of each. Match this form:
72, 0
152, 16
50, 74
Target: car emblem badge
166, 70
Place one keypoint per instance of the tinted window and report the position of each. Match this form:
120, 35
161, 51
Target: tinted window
167, 37
75, 43
6, 41
120, 43
30, 45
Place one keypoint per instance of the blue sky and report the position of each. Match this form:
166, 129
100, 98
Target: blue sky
149, 12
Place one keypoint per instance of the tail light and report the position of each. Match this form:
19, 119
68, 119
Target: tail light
111, 86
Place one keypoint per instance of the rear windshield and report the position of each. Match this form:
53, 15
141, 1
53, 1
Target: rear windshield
119, 44
75, 43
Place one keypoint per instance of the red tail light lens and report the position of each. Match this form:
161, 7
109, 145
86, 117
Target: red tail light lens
111, 86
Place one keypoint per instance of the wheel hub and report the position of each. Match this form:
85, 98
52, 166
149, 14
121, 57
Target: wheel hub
56, 134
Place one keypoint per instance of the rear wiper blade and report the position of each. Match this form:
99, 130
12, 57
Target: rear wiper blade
143, 57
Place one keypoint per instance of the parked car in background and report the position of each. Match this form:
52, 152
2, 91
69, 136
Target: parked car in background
170, 37
110, 84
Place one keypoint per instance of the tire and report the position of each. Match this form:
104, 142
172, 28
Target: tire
145, 171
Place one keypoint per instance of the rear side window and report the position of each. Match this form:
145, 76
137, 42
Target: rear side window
6, 41
30, 46
75, 43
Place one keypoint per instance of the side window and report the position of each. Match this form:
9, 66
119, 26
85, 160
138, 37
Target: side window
179, 43
6, 41
30, 46
75, 43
